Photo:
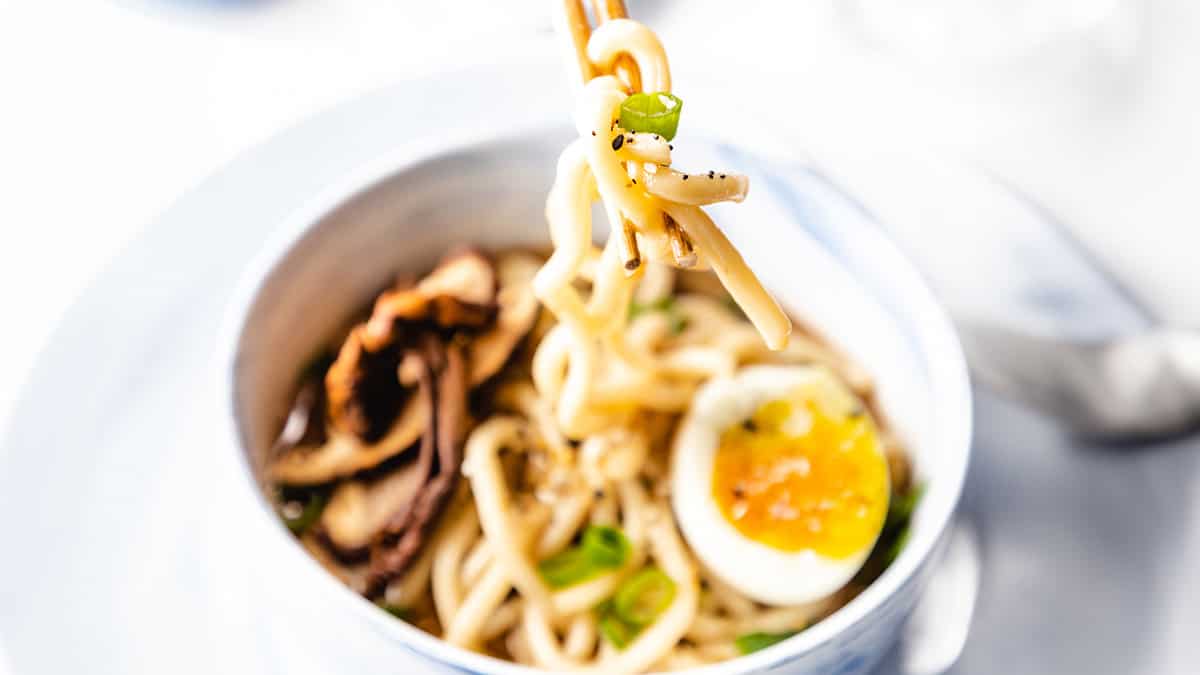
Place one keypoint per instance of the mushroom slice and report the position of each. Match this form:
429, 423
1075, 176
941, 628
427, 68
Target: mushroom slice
459, 293
391, 308
518, 310
305, 423
448, 311
465, 275
361, 386
406, 533
343, 454
359, 510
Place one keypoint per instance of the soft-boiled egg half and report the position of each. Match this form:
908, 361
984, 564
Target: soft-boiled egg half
779, 482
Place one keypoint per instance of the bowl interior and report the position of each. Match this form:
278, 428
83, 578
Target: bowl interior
823, 258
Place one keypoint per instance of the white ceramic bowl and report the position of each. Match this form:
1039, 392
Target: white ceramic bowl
815, 248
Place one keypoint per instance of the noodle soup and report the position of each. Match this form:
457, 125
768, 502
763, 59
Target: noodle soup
615, 456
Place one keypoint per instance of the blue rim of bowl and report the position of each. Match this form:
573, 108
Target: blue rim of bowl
936, 340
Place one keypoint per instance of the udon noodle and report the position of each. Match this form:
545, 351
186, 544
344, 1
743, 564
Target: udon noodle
574, 431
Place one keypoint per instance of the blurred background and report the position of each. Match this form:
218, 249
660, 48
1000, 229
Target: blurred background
1089, 108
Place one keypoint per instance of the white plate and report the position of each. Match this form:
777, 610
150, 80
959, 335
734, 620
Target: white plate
115, 559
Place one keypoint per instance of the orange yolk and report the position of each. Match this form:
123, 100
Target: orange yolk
824, 488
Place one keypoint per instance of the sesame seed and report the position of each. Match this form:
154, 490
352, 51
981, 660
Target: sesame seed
685, 176
722, 176
670, 147
593, 133
618, 142
634, 181
710, 174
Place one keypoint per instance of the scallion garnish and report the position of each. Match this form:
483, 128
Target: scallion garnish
300, 518
616, 631
677, 322
397, 611
600, 548
636, 604
663, 304
566, 568
605, 546
752, 642
898, 523
656, 113
644, 596
897, 545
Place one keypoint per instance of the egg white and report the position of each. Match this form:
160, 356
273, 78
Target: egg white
764, 573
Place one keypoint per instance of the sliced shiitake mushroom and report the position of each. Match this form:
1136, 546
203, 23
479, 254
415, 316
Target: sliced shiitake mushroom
465, 275
393, 308
404, 534
459, 293
360, 509
305, 423
361, 386
343, 454
518, 310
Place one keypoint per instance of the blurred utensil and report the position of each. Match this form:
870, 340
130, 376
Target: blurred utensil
1140, 387
936, 632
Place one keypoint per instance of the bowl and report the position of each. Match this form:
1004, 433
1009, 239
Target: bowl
813, 246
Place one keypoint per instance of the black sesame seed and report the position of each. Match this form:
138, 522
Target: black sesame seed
634, 180
710, 174
722, 176
593, 133
685, 176
670, 147
618, 142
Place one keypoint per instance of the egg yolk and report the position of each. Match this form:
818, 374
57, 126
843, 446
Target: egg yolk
796, 476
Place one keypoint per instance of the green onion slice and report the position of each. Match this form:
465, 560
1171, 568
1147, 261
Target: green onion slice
656, 113
600, 548
307, 517
893, 551
398, 611
644, 596
663, 304
616, 631
901, 507
605, 546
752, 642
567, 568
